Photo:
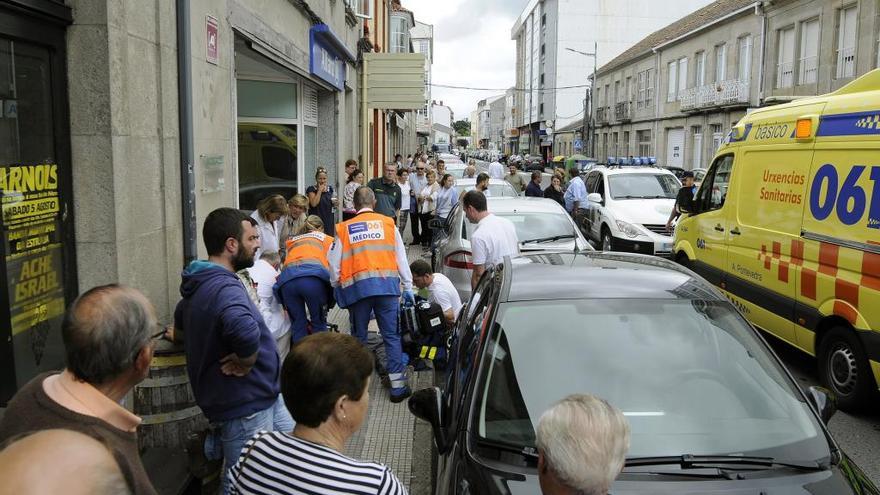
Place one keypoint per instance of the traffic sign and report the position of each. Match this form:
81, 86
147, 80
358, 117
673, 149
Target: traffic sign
578, 144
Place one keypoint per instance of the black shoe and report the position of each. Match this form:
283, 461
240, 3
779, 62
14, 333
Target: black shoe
399, 394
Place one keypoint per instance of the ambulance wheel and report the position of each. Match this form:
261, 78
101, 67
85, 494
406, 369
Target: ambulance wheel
844, 369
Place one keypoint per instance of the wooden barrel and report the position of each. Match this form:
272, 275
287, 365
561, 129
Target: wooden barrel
165, 402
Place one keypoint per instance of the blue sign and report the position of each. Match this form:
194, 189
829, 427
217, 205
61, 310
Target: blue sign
578, 144
327, 56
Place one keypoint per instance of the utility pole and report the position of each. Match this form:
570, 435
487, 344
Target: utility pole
589, 124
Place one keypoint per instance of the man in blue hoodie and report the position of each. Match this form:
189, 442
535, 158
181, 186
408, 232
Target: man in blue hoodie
231, 358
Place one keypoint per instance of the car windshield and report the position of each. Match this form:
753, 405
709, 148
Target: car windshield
632, 186
533, 226
689, 375
496, 190
457, 172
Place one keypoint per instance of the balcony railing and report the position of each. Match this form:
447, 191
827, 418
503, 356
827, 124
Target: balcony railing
623, 111
808, 70
846, 62
733, 92
602, 115
784, 74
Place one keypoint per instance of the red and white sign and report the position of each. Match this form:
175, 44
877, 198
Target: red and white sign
212, 48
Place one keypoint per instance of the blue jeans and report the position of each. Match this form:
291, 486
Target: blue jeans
230, 436
299, 294
386, 309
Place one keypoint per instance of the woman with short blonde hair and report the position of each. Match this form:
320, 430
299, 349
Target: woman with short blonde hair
268, 215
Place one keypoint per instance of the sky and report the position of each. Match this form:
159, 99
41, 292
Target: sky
472, 47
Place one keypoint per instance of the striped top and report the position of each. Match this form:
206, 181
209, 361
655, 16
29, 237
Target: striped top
279, 463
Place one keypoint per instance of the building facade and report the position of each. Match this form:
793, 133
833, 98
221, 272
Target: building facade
402, 124
422, 36
676, 93
497, 110
126, 123
553, 77
441, 127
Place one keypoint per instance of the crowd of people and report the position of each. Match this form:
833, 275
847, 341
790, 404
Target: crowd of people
281, 393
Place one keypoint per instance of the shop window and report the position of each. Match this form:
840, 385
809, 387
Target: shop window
267, 162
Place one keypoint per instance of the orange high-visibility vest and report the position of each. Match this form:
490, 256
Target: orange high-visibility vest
308, 249
369, 264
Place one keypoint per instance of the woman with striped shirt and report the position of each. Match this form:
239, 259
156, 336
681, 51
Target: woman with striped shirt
325, 382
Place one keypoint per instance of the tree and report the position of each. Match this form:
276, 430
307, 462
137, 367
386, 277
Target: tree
462, 127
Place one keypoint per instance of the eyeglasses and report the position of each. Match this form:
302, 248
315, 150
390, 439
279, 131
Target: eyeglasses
420, 168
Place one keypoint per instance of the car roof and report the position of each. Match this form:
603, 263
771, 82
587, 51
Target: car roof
522, 204
602, 275
634, 170
469, 180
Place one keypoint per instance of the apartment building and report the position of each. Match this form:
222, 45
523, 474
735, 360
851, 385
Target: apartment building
422, 36
550, 33
676, 93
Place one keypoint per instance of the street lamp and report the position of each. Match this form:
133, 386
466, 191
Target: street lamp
589, 134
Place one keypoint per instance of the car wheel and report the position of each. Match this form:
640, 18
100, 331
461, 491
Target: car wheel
606, 239
844, 369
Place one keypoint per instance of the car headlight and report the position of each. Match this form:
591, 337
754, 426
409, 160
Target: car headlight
627, 228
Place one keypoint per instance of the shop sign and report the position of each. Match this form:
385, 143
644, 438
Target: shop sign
524, 141
325, 63
212, 47
33, 244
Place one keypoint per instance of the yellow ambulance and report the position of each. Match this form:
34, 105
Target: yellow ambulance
787, 223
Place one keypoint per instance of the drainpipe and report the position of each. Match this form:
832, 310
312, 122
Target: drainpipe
761, 69
185, 120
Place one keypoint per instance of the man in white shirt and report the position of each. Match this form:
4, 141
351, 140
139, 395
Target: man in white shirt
496, 170
493, 239
440, 289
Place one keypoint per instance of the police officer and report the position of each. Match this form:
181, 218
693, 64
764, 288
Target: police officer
305, 279
684, 199
367, 265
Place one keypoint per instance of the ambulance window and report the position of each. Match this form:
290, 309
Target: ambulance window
713, 190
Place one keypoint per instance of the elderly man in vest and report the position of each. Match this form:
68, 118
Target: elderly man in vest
367, 265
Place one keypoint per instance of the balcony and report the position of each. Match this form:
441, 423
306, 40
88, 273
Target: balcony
623, 111
729, 93
846, 60
603, 114
784, 74
808, 70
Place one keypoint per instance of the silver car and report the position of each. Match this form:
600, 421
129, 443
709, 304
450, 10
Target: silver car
541, 225
498, 188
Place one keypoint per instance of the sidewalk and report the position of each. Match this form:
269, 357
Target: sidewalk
391, 433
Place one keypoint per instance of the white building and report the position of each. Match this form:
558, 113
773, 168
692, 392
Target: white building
547, 28
441, 128
422, 36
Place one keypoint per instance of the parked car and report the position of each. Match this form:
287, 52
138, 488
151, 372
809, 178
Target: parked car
710, 406
533, 162
627, 209
699, 174
541, 225
498, 188
678, 171
456, 169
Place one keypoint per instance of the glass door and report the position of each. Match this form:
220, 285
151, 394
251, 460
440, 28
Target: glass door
37, 247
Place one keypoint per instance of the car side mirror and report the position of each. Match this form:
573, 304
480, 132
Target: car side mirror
427, 404
594, 198
823, 401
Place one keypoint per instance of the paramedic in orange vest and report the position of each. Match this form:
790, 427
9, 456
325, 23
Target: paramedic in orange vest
305, 279
367, 266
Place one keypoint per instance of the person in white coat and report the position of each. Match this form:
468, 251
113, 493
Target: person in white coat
264, 273
268, 216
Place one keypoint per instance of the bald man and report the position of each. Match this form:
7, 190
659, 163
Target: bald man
59, 461
108, 337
